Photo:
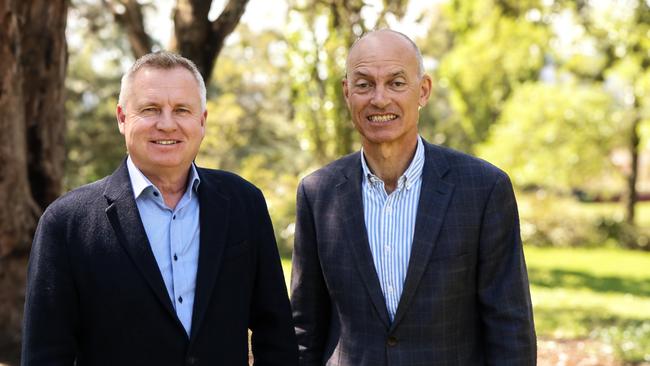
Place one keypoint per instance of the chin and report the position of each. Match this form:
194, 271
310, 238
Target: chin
381, 138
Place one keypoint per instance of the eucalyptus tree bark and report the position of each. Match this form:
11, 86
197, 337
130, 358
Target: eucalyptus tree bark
128, 14
195, 36
198, 38
33, 57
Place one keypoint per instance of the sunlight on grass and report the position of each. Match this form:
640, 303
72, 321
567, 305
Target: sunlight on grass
601, 293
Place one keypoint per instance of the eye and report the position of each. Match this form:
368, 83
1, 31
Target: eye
149, 110
398, 83
362, 84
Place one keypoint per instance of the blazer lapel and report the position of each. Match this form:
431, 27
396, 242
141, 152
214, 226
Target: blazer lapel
435, 195
214, 221
123, 214
349, 198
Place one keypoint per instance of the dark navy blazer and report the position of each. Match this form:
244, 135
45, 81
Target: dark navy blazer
466, 297
95, 294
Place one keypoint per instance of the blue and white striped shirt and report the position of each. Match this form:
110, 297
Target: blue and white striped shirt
390, 221
174, 237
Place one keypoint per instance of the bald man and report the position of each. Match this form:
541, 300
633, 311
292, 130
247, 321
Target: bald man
406, 253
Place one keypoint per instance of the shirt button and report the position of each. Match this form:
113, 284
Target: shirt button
390, 289
174, 217
389, 209
155, 193
387, 248
175, 257
180, 299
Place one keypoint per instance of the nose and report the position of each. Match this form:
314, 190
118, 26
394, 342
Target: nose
166, 121
380, 98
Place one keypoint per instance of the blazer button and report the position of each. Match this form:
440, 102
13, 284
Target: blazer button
191, 361
392, 341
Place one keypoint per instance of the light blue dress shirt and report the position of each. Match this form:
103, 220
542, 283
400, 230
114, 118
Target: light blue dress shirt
390, 222
174, 237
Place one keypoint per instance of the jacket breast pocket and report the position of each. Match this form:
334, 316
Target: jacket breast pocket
236, 250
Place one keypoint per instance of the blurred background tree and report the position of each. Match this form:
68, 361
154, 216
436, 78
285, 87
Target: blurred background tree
33, 59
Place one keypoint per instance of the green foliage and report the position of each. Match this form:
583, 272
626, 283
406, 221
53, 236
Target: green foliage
94, 144
554, 219
554, 135
602, 294
489, 59
551, 220
317, 66
249, 128
319, 35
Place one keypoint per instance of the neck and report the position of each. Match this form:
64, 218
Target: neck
172, 185
389, 162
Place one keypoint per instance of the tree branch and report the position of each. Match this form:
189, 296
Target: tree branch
223, 26
129, 16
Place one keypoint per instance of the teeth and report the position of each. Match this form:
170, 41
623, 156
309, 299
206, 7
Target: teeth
166, 142
382, 118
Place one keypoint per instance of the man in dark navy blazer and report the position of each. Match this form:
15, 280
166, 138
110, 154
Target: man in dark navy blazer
162, 262
406, 253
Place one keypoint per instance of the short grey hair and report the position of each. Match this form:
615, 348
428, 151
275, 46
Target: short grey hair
418, 54
161, 60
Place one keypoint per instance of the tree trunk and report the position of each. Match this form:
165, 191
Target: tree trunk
632, 197
198, 38
33, 57
195, 36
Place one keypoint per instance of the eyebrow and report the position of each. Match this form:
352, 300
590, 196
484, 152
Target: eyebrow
395, 74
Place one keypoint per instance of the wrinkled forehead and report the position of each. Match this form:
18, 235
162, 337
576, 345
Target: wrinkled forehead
382, 50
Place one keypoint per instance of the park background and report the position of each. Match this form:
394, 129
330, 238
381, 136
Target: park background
555, 92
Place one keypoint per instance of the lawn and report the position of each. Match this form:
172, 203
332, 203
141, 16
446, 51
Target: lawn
599, 293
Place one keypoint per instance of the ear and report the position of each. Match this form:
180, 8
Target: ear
425, 90
120, 113
346, 90
204, 117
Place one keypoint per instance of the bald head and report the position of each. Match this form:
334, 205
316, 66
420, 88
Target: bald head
380, 38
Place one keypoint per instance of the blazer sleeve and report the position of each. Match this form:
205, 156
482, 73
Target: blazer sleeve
504, 295
309, 296
51, 318
273, 341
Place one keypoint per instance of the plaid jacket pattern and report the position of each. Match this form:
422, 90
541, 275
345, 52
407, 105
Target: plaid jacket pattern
466, 297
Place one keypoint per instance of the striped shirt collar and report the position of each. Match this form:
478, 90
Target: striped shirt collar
410, 176
140, 182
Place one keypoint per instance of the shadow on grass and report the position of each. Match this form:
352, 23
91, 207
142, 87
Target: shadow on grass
558, 278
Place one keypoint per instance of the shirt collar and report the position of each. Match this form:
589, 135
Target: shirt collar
140, 182
410, 176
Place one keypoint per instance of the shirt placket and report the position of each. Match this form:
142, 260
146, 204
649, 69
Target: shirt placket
174, 241
178, 251
389, 249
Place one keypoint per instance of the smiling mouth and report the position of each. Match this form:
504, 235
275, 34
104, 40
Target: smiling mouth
382, 117
166, 142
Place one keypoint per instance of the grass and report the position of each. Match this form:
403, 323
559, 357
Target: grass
601, 293
597, 293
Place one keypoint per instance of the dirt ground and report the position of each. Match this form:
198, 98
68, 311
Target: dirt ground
576, 352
